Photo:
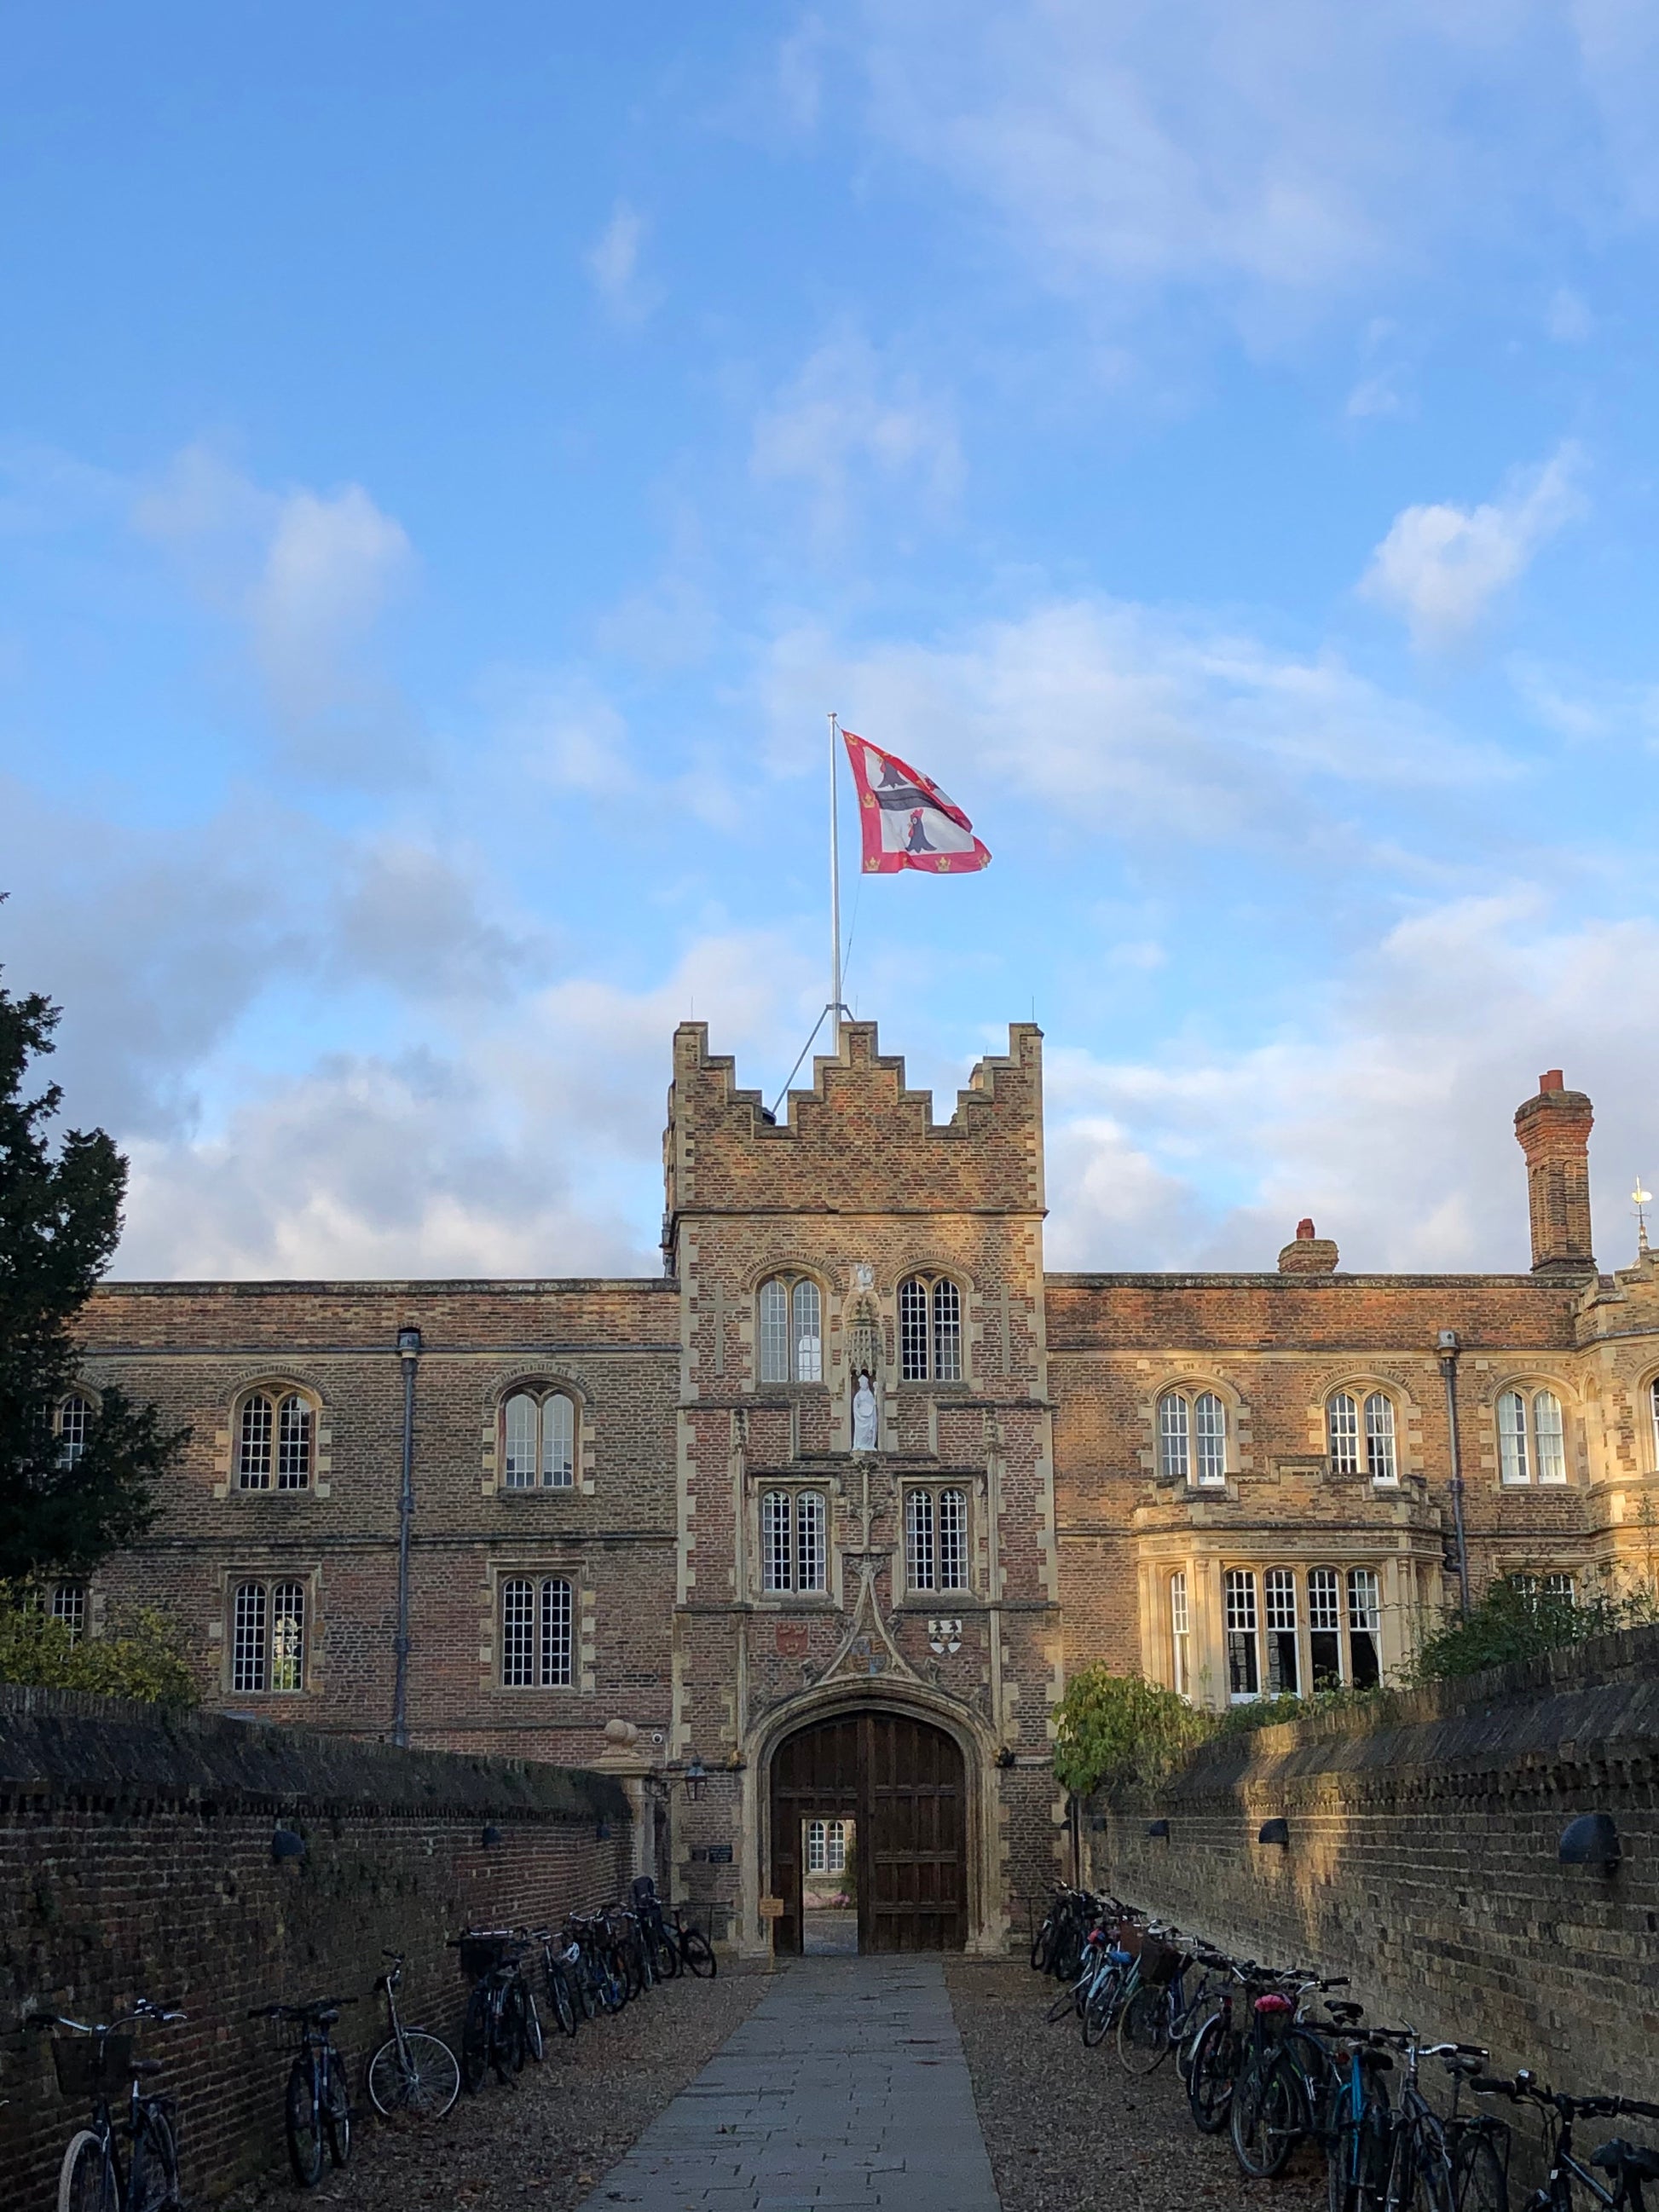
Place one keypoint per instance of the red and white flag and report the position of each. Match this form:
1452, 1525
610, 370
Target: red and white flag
907, 820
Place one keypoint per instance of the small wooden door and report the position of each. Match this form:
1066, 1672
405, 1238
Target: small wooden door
902, 1780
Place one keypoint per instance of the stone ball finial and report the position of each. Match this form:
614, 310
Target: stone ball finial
620, 1732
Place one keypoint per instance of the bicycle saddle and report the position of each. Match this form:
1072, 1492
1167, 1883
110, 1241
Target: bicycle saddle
148, 2066
1121, 1958
1346, 2011
1635, 2158
1464, 2062
1374, 2061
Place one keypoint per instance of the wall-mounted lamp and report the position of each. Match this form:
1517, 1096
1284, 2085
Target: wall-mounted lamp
492, 1834
737, 1762
1158, 1828
695, 1775
1005, 1756
286, 1843
602, 1833
1273, 1832
1590, 1840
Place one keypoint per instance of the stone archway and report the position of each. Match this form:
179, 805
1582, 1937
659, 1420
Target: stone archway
903, 1781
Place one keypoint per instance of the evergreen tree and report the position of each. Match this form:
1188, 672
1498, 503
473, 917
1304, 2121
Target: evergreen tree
60, 1216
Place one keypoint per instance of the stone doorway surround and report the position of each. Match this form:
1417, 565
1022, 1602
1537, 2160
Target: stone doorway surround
985, 1923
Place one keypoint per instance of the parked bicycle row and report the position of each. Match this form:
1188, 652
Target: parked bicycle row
1273, 2058
125, 2158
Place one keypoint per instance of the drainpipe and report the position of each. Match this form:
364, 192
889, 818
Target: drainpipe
1448, 1348
408, 1352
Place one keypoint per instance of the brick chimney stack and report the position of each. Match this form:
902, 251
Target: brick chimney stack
1308, 1254
1553, 1132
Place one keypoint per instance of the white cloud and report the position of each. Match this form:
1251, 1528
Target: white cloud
1128, 717
1568, 320
308, 576
848, 421
613, 265
1387, 1116
1442, 567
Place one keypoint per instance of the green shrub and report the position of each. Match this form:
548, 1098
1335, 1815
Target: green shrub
1518, 1618
145, 1653
1115, 1728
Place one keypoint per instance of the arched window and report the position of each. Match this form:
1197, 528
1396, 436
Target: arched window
538, 1633
930, 1329
72, 1426
1367, 1448
274, 1439
1532, 1442
791, 1330
1192, 1439
794, 1544
538, 1441
268, 1637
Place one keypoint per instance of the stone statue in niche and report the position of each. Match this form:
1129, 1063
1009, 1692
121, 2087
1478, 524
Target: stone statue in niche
864, 1415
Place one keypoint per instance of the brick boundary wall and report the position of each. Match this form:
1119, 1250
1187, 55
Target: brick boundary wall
136, 1859
1423, 1858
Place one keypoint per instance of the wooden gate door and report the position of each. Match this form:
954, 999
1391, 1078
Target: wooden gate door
814, 1775
914, 1868
903, 1782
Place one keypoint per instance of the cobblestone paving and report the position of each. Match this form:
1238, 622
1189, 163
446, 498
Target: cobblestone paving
846, 2086
1066, 2127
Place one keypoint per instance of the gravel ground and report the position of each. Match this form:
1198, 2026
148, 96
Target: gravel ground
547, 2138
1067, 2126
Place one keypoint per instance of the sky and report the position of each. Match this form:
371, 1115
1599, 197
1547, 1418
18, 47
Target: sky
453, 457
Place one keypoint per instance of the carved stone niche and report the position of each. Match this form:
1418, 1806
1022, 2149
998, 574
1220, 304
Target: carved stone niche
864, 1339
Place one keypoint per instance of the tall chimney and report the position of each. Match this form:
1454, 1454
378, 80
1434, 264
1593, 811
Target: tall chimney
1553, 1132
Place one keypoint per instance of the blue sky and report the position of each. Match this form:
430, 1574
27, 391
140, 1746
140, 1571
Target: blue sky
452, 458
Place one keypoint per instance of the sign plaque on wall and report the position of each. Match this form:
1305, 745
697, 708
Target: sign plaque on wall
771, 1908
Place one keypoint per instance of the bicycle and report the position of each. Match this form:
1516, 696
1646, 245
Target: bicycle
413, 2071
696, 1951
1217, 2050
663, 1949
1159, 2014
89, 2061
1285, 2084
317, 2106
557, 1965
1629, 2164
500, 2029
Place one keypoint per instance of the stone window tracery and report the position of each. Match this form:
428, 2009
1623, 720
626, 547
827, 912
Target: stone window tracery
1532, 1444
794, 1547
1362, 1437
1192, 1439
538, 1633
268, 1637
274, 1432
936, 1539
930, 1329
791, 1330
538, 1441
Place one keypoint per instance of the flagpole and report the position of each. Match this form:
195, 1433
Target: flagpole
836, 1007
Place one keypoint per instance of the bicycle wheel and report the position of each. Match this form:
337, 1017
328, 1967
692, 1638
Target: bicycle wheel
506, 2037
1042, 1944
1431, 2167
153, 2182
474, 2042
1143, 2031
425, 2080
614, 1991
1350, 2157
1479, 2181
304, 2124
337, 2110
535, 2048
699, 1953
664, 1955
1211, 2075
560, 2000
1099, 2007
1266, 2119
86, 2181
1069, 2001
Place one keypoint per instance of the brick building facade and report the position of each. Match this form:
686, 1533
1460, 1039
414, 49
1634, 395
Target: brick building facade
638, 1533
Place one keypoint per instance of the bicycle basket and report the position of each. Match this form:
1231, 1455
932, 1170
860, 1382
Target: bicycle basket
481, 1954
1159, 1962
88, 2063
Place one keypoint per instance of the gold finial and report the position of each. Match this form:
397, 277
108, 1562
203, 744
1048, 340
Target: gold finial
1643, 1199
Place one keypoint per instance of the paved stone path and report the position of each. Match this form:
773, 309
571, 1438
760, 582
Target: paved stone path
845, 2087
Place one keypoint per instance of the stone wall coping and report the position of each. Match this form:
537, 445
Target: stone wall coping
411, 1286
1340, 1280
1585, 1703
68, 1745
